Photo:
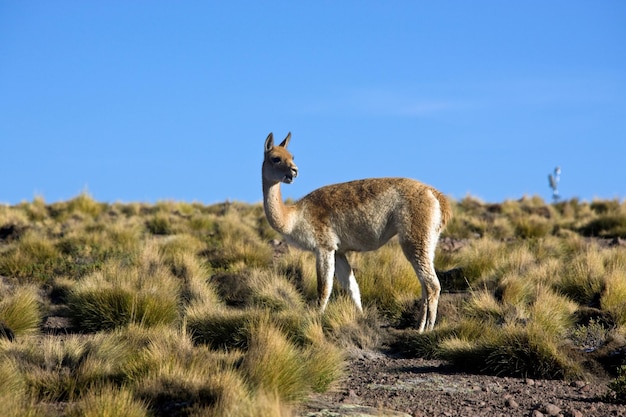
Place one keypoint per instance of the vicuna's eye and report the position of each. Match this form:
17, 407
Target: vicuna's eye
275, 160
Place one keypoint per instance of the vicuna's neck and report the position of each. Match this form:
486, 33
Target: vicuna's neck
276, 211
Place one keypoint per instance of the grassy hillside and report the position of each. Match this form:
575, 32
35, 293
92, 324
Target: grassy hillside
186, 310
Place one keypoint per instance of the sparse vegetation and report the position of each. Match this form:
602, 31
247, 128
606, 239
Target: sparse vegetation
617, 387
186, 309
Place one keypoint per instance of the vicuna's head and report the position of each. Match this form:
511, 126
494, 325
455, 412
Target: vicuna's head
278, 164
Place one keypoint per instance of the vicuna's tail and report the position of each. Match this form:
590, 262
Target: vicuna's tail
445, 207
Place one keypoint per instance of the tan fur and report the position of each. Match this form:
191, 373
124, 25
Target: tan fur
358, 216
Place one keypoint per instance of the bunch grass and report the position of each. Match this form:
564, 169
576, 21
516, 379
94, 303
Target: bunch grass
20, 310
183, 309
121, 294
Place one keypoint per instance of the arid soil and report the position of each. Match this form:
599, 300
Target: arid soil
381, 384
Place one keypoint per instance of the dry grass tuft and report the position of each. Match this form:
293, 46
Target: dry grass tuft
120, 294
12, 383
515, 351
274, 364
20, 310
186, 309
613, 300
582, 277
347, 327
551, 312
479, 259
273, 291
219, 328
387, 280
32, 259
109, 401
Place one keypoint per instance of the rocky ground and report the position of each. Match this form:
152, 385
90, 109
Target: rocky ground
384, 384
380, 384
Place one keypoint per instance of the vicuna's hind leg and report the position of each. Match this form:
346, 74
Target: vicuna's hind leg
346, 279
422, 261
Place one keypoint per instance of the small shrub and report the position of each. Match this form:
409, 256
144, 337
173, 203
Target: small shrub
106, 309
589, 337
617, 387
177, 245
515, 259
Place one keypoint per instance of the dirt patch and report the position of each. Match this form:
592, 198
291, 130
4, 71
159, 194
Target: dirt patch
382, 384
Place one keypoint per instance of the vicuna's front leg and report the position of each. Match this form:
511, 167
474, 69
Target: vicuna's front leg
346, 279
325, 267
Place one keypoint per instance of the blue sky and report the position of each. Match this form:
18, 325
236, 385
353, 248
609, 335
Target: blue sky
152, 100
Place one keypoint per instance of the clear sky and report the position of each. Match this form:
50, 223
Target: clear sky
152, 100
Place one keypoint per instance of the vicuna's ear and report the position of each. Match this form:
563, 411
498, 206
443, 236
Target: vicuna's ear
269, 142
285, 142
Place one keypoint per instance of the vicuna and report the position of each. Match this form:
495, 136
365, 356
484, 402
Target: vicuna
357, 216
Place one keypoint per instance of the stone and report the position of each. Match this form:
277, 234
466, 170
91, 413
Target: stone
551, 410
575, 413
511, 403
